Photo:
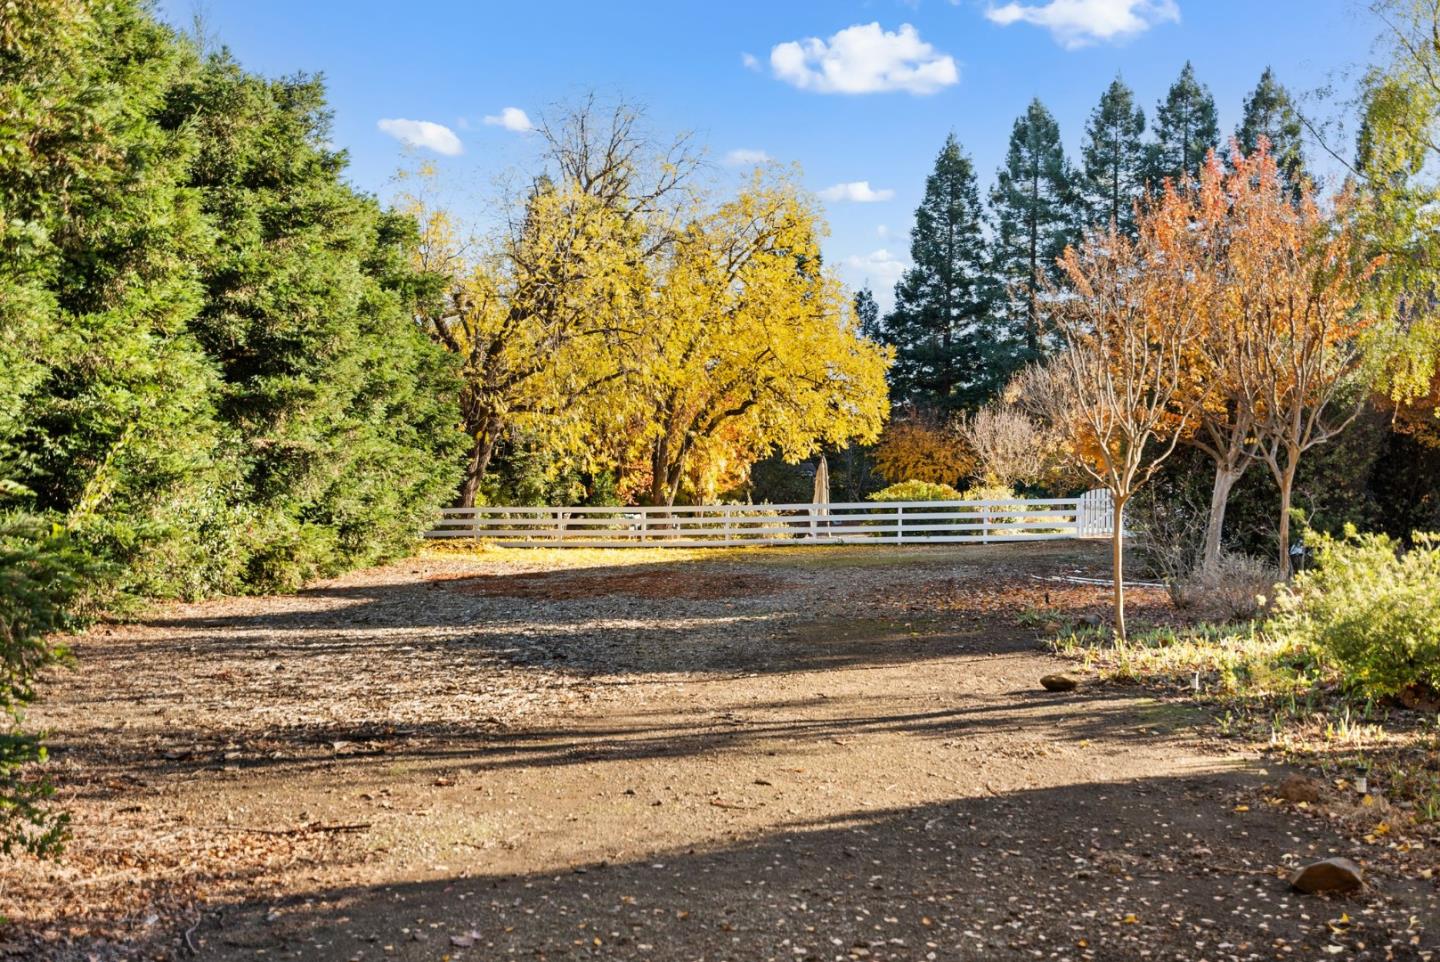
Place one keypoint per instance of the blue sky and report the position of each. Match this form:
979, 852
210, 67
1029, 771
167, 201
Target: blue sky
806, 82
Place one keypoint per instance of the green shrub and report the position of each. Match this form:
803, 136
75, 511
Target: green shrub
917, 491
1368, 610
40, 572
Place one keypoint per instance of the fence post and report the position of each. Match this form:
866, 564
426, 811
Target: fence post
985, 523
899, 524
644, 525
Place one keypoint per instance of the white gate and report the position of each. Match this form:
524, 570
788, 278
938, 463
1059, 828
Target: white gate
884, 522
1097, 514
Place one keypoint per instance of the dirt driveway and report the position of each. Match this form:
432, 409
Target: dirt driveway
785, 754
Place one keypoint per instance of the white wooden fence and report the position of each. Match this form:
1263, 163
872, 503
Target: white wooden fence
892, 522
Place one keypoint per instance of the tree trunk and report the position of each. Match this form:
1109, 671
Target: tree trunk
1225, 478
1286, 480
658, 474
480, 453
1117, 565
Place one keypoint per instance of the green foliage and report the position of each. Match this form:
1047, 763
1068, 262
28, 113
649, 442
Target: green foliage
916, 491
1369, 609
1185, 129
211, 369
1396, 153
339, 407
1036, 215
952, 350
1270, 113
1112, 175
110, 419
867, 314
41, 570
210, 374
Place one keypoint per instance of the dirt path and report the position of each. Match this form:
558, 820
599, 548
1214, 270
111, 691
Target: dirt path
837, 754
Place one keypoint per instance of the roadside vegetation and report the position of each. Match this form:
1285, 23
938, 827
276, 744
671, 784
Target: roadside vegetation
1336, 670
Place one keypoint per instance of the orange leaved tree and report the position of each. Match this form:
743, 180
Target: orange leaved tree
1278, 344
1309, 367
1121, 391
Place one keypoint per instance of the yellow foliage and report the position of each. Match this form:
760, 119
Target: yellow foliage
749, 345
678, 345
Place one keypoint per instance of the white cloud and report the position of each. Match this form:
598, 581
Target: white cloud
864, 59
511, 118
884, 232
1080, 23
748, 61
746, 157
423, 133
879, 269
857, 191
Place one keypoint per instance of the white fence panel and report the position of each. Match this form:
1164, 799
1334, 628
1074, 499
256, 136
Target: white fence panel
888, 522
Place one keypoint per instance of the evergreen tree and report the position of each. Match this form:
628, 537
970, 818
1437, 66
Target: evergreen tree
1035, 210
867, 312
1185, 129
105, 418
211, 375
1113, 158
341, 410
949, 352
1270, 113
108, 421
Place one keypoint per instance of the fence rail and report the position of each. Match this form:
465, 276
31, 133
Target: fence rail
893, 522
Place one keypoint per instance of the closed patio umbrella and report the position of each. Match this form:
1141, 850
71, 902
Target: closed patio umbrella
821, 496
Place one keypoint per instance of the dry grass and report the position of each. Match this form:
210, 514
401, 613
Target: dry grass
1279, 698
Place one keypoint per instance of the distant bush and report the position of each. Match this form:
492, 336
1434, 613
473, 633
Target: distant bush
1369, 610
988, 492
1234, 586
917, 491
919, 448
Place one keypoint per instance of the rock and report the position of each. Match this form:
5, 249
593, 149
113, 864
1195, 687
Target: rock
1331, 875
1059, 682
1298, 788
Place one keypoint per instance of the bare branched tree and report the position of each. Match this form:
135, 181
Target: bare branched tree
1118, 392
1009, 445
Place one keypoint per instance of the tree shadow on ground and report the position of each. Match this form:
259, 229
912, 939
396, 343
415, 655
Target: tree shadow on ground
1102, 716
414, 634
1158, 868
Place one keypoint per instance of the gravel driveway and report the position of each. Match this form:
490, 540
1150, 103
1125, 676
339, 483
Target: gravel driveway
832, 753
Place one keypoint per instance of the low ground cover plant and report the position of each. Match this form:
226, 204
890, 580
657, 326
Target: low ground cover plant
1369, 610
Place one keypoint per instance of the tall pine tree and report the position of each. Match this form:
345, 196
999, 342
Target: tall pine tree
1036, 214
1113, 158
1270, 113
867, 313
1185, 129
950, 354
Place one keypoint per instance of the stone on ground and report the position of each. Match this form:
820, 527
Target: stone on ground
1333, 875
1059, 681
1298, 788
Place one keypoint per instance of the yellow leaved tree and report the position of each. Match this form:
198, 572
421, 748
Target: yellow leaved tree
749, 344
622, 322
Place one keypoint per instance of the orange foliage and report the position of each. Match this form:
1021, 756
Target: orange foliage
918, 448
